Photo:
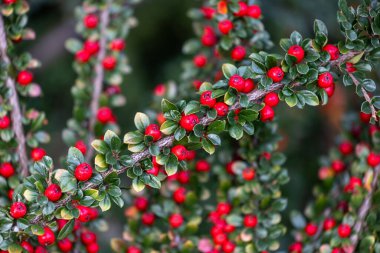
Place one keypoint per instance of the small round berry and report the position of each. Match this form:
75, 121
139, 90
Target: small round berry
219, 238
24, 77
65, 245
344, 231
92, 248
237, 82
330, 90
295, 247
249, 174
276, 74
7, 170
180, 152
188, 122
297, 51
91, 21
202, 166
5, 122
365, 117
200, 61
141, 203
133, 249
271, 99
223, 208
266, 114
197, 84
82, 56
27, 246
225, 26
109, 63
350, 67
154, 170
175, 220
208, 12
53, 192
179, 195
206, 99
249, 85
346, 148
159, 90
83, 172
311, 229
373, 159
88, 237
148, 219
325, 80
84, 213
91, 46
221, 109
104, 115
338, 166
238, 53
37, 154
228, 247
243, 9
81, 146
183, 176
250, 221
208, 38
117, 45
47, 238
332, 50
10, 194
154, 131
254, 11
328, 224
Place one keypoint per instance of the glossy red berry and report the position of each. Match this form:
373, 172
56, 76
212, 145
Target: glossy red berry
249, 174
175, 220
82, 56
373, 159
154, 131
84, 213
47, 238
148, 219
37, 154
338, 166
141, 203
154, 170
250, 221
365, 117
200, 61
202, 166
325, 80
297, 51
271, 99
104, 115
238, 53
221, 109
350, 67
311, 229
330, 90
295, 247
254, 11
53, 192
243, 9
65, 245
81, 146
180, 152
117, 45
10, 194
88, 237
83, 172
5, 122
237, 82
27, 246
276, 74
225, 26
91, 46
206, 99
92, 248
7, 170
266, 114
328, 224
249, 85
337, 250
24, 77
109, 63
208, 38
346, 148
91, 21
228, 247
188, 122
332, 50
344, 231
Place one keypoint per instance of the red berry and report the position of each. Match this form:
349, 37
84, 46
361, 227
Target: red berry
83, 172
180, 152
40, 249
365, 117
37, 154
91, 46
154, 170
202, 166
104, 115
206, 99
229, 228
238, 53
330, 90
141, 203
325, 80
220, 238
221, 109
254, 11
9, 1
328, 224
338, 250
338, 166
65, 245
250, 221
344, 231
223, 208
84, 213
92, 248
81, 146
208, 12
7, 170
295, 247
276, 74
237, 82
373, 159
148, 219
154, 131
188, 122
109, 62
225, 26
200, 61
183, 176
159, 90
229, 168
88, 237
249, 174
297, 51
5, 122
249, 85
346, 148
47, 238
311, 229
82, 56
133, 249
179, 195
243, 9
10, 194
353, 184
117, 45
208, 38
332, 50
24, 77
271, 99
228, 247
175, 220
266, 114
90, 21
53, 192
350, 67
27, 246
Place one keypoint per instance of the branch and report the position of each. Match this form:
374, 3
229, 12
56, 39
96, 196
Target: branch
16, 114
98, 78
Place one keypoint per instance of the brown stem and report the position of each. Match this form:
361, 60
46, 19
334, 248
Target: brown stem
16, 114
98, 78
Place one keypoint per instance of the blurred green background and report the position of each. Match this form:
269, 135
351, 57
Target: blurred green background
154, 50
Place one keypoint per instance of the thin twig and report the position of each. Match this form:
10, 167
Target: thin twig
98, 78
16, 114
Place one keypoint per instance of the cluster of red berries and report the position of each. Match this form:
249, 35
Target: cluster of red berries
270, 100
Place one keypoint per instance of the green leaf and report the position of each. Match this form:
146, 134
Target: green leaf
73, 45
171, 165
291, 100
215, 139
141, 121
216, 127
66, 230
208, 146
369, 85
310, 97
154, 150
168, 127
75, 157
105, 204
168, 106
37, 230
154, 182
229, 70
296, 38
192, 107
319, 26
302, 68
376, 101
100, 146
236, 131
134, 137
15, 248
